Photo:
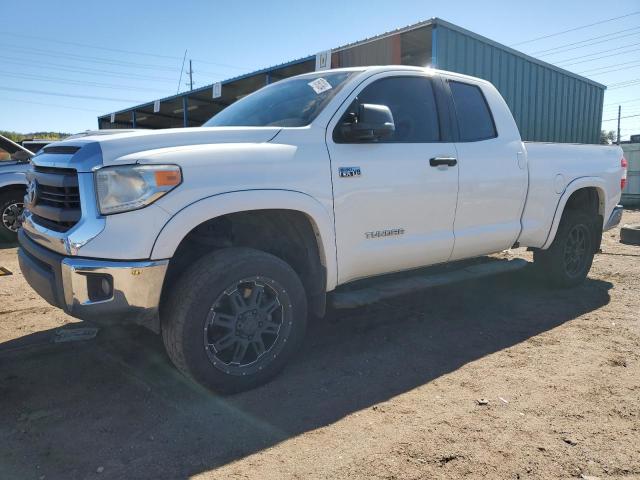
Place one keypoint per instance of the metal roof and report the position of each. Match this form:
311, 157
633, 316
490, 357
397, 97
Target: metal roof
210, 86
435, 21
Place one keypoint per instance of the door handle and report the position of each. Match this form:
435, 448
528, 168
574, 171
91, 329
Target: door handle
448, 161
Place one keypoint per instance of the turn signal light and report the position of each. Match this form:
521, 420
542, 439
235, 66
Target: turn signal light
168, 178
624, 165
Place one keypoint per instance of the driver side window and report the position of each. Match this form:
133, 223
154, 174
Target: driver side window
412, 104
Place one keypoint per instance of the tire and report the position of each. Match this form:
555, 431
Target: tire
217, 301
630, 234
11, 205
568, 260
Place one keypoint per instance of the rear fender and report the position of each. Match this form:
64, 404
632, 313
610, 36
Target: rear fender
575, 185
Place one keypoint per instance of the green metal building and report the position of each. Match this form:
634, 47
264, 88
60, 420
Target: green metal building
549, 104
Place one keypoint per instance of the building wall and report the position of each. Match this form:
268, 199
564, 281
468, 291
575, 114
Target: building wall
631, 193
548, 105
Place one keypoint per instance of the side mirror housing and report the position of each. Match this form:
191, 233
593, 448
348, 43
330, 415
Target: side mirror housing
21, 156
372, 123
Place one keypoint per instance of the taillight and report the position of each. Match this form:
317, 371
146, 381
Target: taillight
623, 180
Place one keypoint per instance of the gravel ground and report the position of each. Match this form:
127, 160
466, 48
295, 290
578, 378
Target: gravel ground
500, 378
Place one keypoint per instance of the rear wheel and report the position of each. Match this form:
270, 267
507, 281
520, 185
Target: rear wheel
235, 319
568, 260
11, 206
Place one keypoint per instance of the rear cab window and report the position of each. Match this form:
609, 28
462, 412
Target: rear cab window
475, 121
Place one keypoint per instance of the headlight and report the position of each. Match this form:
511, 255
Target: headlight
130, 187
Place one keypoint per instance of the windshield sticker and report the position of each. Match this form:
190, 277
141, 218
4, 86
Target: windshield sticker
320, 85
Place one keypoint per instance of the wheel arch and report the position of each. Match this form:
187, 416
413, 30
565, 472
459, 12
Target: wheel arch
295, 227
11, 182
582, 192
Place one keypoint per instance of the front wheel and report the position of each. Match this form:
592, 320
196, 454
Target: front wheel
567, 261
11, 206
235, 318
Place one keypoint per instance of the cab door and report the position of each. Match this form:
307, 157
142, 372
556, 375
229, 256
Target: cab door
394, 197
493, 173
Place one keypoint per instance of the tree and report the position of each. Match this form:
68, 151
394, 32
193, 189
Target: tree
18, 137
607, 138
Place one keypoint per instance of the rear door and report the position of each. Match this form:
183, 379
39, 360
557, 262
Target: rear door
493, 174
393, 210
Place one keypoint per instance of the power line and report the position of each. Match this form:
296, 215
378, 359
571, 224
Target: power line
90, 59
103, 61
614, 70
576, 28
116, 50
57, 94
617, 53
83, 70
625, 107
585, 40
608, 66
626, 112
624, 82
81, 83
48, 104
588, 44
628, 116
625, 101
626, 85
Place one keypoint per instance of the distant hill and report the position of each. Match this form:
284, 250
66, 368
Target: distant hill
18, 137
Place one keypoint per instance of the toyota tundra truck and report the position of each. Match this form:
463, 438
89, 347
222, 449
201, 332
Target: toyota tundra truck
314, 191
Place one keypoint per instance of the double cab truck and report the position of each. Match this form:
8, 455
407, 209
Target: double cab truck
316, 190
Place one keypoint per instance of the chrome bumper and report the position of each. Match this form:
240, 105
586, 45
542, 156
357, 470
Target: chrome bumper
94, 289
614, 219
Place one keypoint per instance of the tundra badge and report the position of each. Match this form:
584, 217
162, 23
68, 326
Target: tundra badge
384, 233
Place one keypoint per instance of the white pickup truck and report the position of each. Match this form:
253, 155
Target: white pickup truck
312, 190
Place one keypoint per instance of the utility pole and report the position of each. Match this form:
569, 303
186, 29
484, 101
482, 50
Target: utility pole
190, 76
618, 136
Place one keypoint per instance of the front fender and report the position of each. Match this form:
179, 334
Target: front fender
12, 179
185, 220
577, 184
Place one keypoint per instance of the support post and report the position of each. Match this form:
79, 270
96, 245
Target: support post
133, 119
185, 112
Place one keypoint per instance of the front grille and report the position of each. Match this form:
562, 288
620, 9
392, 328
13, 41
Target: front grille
63, 197
57, 198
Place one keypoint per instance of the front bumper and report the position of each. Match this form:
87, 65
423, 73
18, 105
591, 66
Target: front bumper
91, 289
614, 219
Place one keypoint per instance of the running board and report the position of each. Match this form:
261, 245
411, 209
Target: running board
378, 288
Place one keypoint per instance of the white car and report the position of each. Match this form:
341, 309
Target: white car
311, 190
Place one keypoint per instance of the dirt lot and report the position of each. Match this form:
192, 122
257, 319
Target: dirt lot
390, 391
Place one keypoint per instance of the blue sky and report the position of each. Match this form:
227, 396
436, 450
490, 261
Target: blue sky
50, 56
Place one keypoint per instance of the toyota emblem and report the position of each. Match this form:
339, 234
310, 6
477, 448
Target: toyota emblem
32, 193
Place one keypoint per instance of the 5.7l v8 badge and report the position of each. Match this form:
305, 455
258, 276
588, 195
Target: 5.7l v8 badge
349, 171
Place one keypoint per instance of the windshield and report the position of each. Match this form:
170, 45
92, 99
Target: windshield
289, 103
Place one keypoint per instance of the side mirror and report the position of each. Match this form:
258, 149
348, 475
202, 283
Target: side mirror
372, 122
21, 156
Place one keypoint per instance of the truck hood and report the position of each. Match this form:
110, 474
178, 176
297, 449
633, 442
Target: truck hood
80, 153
